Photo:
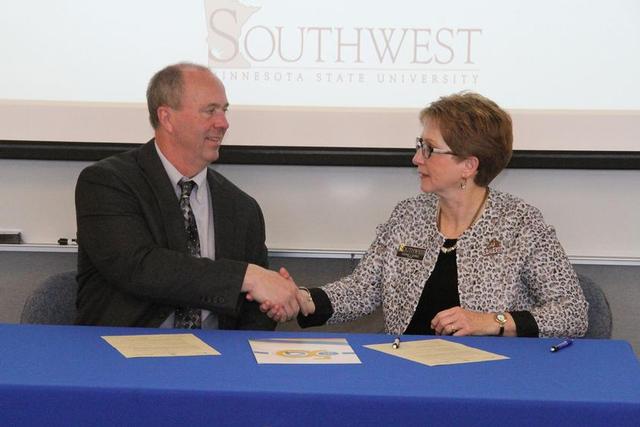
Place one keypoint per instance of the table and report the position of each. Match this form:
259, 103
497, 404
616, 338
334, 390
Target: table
68, 375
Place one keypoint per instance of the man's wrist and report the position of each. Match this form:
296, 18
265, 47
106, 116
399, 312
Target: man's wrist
250, 278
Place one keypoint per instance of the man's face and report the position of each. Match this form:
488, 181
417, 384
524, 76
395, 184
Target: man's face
200, 123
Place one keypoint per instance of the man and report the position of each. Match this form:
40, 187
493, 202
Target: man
163, 240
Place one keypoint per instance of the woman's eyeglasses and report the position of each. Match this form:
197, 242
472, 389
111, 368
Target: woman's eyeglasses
428, 150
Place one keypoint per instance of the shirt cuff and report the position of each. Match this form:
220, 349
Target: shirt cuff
324, 310
526, 325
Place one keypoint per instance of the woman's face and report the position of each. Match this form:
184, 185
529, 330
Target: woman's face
441, 172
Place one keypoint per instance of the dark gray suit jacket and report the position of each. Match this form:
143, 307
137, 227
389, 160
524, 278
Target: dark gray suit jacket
133, 265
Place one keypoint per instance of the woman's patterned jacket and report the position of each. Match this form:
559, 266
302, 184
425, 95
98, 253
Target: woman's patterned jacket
509, 260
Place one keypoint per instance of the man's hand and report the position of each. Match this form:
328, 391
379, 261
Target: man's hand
266, 286
276, 312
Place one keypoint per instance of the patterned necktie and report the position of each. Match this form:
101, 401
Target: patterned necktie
185, 317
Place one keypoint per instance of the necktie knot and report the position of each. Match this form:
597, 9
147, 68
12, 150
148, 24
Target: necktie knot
186, 187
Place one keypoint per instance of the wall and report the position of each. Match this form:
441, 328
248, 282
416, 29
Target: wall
337, 208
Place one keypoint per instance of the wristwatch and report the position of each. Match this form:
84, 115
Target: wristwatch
501, 318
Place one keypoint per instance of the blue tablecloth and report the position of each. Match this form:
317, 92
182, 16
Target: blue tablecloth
68, 375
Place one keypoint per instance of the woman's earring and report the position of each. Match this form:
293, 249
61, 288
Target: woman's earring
463, 183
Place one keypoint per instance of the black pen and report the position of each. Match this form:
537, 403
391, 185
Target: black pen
396, 343
560, 346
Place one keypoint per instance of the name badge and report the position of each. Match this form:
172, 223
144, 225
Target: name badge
411, 252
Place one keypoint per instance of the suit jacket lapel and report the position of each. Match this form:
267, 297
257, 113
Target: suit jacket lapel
223, 213
162, 188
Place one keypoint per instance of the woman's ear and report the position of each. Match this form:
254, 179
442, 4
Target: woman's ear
471, 165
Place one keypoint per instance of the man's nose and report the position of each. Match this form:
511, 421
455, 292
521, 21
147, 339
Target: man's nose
220, 121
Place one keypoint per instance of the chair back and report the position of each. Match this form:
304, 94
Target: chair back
600, 319
53, 302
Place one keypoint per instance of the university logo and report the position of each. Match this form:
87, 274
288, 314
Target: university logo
267, 44
225, 20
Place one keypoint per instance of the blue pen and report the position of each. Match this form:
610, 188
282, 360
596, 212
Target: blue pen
560, 346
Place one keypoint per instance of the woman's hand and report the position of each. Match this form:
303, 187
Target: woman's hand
460, 322
305, 302
303, 296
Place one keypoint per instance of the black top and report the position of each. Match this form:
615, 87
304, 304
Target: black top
439, 293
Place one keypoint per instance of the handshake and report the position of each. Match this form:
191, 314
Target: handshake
276, 292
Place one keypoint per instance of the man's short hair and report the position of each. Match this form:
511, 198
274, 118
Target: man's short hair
166, 88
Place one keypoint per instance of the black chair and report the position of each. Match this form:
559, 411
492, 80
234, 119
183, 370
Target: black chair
53, 302
600, 319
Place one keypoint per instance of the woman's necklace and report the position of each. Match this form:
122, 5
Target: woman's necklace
445, 250
448, 249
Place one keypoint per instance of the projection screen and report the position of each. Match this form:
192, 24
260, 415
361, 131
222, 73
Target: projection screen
326, 74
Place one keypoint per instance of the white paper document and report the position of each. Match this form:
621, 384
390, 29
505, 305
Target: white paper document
434, 352
303, 351
160, 345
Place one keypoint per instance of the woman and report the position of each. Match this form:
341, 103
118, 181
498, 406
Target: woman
461, 258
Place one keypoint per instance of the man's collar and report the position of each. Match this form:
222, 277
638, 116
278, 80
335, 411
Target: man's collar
175, 176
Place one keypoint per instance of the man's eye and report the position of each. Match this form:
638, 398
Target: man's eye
211, 111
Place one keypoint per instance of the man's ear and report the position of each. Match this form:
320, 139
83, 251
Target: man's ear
165, 118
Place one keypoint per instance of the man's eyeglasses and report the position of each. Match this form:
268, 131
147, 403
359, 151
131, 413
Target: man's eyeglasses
428, 150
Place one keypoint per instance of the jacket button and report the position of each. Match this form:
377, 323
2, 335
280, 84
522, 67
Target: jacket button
220, 300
